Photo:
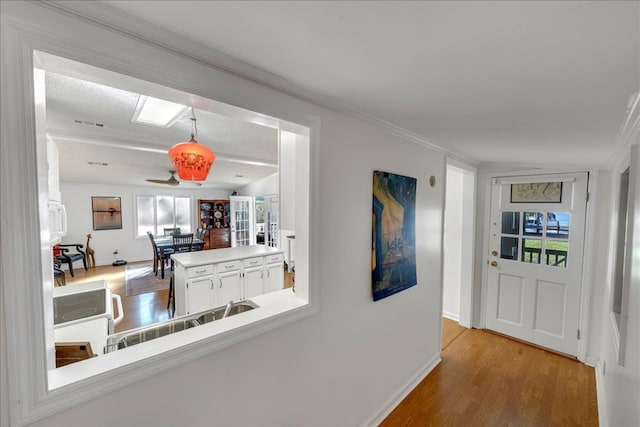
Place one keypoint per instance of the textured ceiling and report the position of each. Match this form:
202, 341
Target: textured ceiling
90, 117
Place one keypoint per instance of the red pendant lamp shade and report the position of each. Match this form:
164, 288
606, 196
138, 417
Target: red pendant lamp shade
191, 160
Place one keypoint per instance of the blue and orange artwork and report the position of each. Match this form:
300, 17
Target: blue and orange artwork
393, 261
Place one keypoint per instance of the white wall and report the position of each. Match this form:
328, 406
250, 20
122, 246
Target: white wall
262, 187
77, 200
346, 365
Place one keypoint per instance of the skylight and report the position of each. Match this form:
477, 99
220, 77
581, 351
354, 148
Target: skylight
157, 112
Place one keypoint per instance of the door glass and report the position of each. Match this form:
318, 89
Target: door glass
533, 223
558, 225
556, 252
531, 250
510, 223
509, 248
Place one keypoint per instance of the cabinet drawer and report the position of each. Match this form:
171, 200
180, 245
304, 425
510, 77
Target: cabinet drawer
253, 262
275, 258
228, 266
202, 270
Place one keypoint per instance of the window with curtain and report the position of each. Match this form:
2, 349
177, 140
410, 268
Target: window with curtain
155, 213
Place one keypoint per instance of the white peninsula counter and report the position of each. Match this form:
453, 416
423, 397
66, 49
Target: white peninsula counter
208, 279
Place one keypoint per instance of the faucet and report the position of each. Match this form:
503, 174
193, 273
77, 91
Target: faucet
227, 310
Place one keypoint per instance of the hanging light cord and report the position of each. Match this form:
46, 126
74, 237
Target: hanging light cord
194, 130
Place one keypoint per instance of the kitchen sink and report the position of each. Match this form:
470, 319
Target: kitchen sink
218, 313
136, 336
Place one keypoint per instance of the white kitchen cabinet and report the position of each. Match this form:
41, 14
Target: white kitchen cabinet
273, 273
199, 294
212, 278
253, 281
229, 288
252, 276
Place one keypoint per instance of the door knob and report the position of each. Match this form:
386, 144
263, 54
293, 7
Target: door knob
494, 263
494, 253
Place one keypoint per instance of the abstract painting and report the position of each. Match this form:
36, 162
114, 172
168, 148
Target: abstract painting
107, 213
393, 260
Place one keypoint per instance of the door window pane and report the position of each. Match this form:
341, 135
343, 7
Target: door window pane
558, 225
533, 223
531, 250
556, 252
509, 248
510, 222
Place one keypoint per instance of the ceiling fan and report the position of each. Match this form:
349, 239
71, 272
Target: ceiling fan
172, 180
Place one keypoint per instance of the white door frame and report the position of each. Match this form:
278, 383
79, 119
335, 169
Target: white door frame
587, 266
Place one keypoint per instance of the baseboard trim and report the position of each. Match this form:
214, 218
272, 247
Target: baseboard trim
601, 395
398, 397
451, 316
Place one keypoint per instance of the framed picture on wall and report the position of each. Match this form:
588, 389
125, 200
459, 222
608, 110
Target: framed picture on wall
393, 260
107, 213
536, 192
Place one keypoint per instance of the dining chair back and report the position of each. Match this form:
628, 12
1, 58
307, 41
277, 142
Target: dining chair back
182, 243
200, 233
63, 254
160, 256
171, 231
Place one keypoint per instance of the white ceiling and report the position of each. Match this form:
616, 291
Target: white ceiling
517, 82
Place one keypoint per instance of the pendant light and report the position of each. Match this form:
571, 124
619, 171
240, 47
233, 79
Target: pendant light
191, 160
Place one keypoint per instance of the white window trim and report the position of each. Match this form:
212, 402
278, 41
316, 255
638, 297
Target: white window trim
29, 395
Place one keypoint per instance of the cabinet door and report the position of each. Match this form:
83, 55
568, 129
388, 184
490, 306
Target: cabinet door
274, 277
253, 282
228, 288
199, 294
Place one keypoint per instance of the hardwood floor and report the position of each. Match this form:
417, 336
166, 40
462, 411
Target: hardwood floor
489, 380
139, 310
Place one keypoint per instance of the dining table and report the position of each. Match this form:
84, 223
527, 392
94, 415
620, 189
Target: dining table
166, 242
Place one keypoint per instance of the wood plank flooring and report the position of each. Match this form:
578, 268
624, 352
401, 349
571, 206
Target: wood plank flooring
139, 310
489, 380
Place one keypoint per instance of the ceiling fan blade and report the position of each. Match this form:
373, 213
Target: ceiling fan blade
163, 181
173, 181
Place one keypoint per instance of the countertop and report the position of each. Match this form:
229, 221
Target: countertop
213, 256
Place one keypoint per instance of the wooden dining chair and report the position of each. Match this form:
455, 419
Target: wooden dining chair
159, 255
64, 255
171, 231
182, 243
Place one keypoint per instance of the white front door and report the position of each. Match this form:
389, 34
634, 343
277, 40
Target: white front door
535, 259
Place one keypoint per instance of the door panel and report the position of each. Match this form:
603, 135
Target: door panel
550, 307
536, 239
510, 295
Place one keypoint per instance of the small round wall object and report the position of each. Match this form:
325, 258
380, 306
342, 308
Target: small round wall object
432, 180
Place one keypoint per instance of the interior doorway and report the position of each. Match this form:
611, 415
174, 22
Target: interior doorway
459, 233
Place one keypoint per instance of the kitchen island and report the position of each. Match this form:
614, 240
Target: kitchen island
207, 279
